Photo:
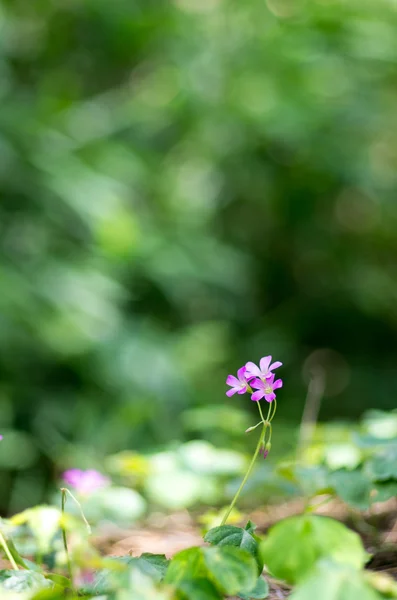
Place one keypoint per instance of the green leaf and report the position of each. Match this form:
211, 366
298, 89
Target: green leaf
16, 556
353, 487
312, 480
250, 527
382, 491
187, 564
44, 522
153, 565
117, 504
383, 465
59, 580
261, 590
294, 546
230, 569
19, 581
229, 535
233, 569
342, 455
335, 582
197, 589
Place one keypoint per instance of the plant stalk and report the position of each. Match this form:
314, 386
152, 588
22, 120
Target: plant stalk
65, 541
248, 473
6, 549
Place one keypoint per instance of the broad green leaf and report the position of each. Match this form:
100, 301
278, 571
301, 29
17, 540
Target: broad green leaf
178, 488
383, 465
381, 424
233, 569
353, 487
313, 480
117, 575
153, 565
382, 491
229, 535
261, 590
250, 527
202, 457
294, 546
19, 581
335, 582
344, 455
15, 554
60, 580
230, 569
117, 504
142, 587
187, 564
197, 589
44, 522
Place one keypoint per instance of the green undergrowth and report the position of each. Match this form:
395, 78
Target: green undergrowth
308, 552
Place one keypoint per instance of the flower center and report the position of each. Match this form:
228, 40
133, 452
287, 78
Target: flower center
268, 390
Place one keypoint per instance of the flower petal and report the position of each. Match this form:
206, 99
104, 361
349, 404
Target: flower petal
270, 379
242, 390
257, 384
231, 392
264, 363
275, 365
278, 384
241, 374
257, 396
270, 397
252, 370
232, 380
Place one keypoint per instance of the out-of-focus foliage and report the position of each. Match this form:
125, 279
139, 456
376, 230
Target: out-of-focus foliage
185, 186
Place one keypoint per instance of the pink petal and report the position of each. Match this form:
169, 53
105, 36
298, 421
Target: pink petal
232, 380
270, 397
241, 374
249, 376
264, 363
278, 384
231, 392
275, 365
257, 384
252, 370
257, 396
243, 390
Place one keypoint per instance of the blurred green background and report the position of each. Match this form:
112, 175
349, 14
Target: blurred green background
186, 186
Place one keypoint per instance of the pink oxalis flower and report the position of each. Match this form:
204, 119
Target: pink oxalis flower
265, 389
85, 482
264, 371
238, 384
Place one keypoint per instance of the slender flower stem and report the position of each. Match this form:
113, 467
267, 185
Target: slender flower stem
248, 473
66, 491
6, 549
65, 541
260, 412
274, 403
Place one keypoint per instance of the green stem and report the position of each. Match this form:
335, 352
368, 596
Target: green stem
248, 473
66, 491
260, 412
65, 541
6, 549
274, 403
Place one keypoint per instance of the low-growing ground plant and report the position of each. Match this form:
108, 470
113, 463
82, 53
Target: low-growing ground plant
50, 553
